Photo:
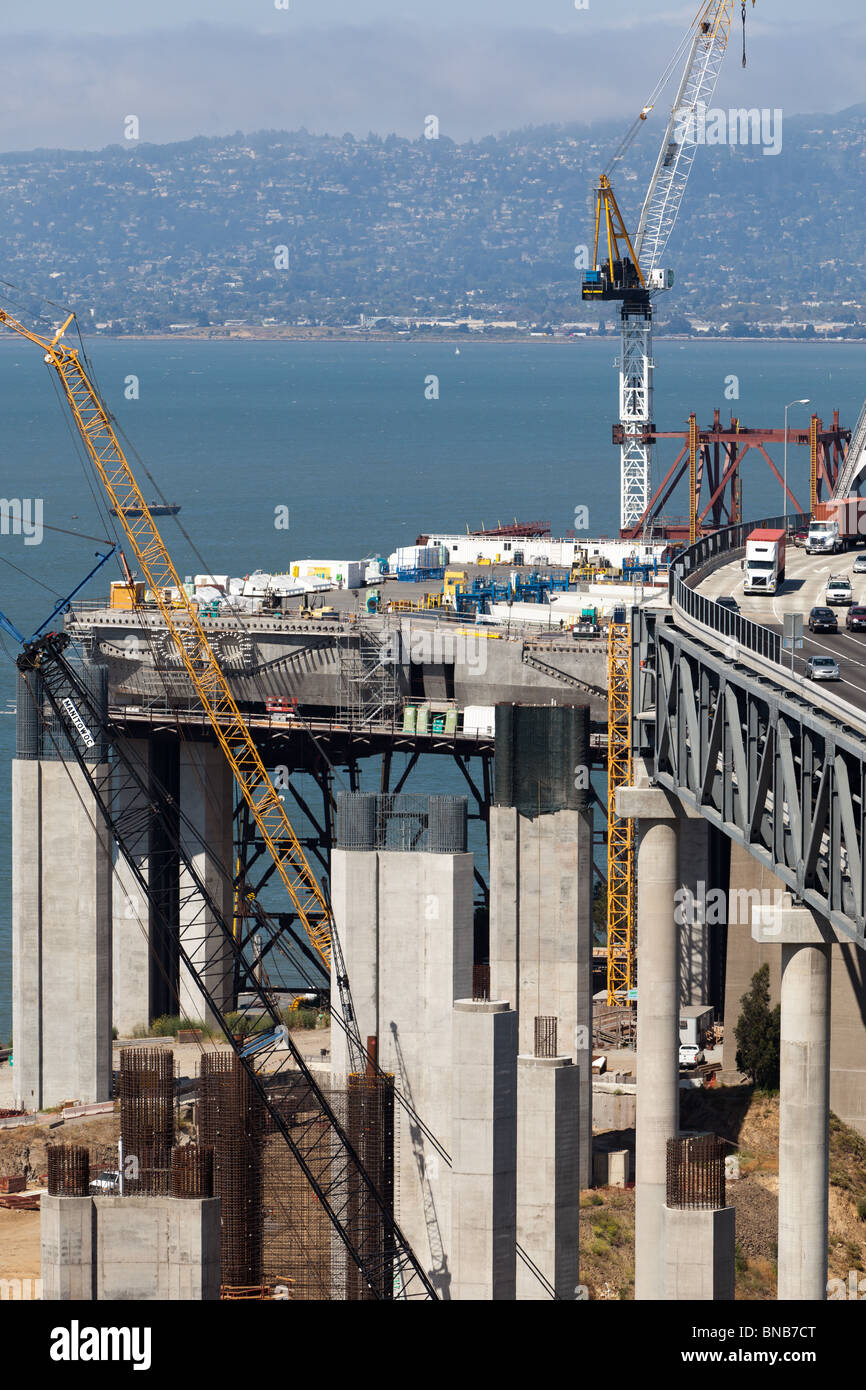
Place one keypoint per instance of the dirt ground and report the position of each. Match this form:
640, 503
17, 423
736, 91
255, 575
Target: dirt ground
750, 1122
19, 1245
23, 1149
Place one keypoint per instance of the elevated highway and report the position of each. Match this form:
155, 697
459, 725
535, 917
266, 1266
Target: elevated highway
776, 762
727, 730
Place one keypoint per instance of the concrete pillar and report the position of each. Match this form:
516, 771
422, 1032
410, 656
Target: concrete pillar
698, 1254
751, 884
355, 900
484, 1150
804, 1097
157, 1249
207, 800
541, 884
67, 1238
548, 1186
406, 929
61, 934
131, 936
541, 935
658, 975
132, 1249
504, 902
27, 933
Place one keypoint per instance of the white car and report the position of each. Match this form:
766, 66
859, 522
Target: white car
107, 1184
690, 1056
860, 563
839, 590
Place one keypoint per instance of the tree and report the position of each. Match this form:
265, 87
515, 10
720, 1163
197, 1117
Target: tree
758, 1034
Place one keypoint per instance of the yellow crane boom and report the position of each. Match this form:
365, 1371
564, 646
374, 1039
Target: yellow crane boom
203, 669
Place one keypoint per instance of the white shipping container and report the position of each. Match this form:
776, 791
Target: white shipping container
411, 557
479, 719
212, 581
348, 574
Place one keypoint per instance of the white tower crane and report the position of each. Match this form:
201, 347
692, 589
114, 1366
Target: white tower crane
634, 273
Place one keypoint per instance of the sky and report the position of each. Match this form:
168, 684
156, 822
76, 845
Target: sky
73, 73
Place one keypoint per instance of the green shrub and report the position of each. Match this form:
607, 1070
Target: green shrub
758, 1034
165, 1026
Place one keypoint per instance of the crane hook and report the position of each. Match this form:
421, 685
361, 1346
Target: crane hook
742, 11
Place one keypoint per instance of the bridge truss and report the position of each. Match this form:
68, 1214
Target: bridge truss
762, 764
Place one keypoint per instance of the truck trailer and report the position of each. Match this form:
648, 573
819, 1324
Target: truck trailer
765, 561
836, 525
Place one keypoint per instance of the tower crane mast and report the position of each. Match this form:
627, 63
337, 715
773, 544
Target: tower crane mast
633, 272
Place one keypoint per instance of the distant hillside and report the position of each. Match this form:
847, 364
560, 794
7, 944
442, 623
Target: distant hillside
149, 236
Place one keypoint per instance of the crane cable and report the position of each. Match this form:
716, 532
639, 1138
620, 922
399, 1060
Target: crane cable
743, 11
650, 103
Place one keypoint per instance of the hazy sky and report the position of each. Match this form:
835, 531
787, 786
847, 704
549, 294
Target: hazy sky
73, 71
115, 16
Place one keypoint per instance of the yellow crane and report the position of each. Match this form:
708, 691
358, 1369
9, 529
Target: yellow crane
182, 622
620, 833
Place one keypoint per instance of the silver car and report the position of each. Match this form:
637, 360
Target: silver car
860, 563
822, 668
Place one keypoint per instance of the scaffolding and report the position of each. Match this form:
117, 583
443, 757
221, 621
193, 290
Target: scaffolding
366, 680
620, 832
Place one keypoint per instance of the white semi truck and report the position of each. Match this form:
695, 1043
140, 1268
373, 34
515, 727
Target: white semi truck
765, 561
823, 537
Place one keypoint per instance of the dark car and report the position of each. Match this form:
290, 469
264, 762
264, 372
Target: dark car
856, 618
729, 602
823, 620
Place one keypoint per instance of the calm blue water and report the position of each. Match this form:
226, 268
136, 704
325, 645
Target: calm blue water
342, 434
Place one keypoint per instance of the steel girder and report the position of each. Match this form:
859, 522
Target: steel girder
766, 768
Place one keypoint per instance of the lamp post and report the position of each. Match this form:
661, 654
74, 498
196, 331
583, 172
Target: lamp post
785, 466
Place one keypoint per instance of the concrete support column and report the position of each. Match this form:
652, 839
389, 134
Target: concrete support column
425, 963
804, 1119
484, 1150
541, 935
27, 932
658, 997
207, 799
67, 1235
355, 900
504, 902
804, 1096
61, 936
548, 1186
699, 1254
406, 928
131, 944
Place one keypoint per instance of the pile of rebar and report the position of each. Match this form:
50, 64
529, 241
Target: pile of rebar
146, 1119
68, 1170
696, 1172
231, 1123
192, 1171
